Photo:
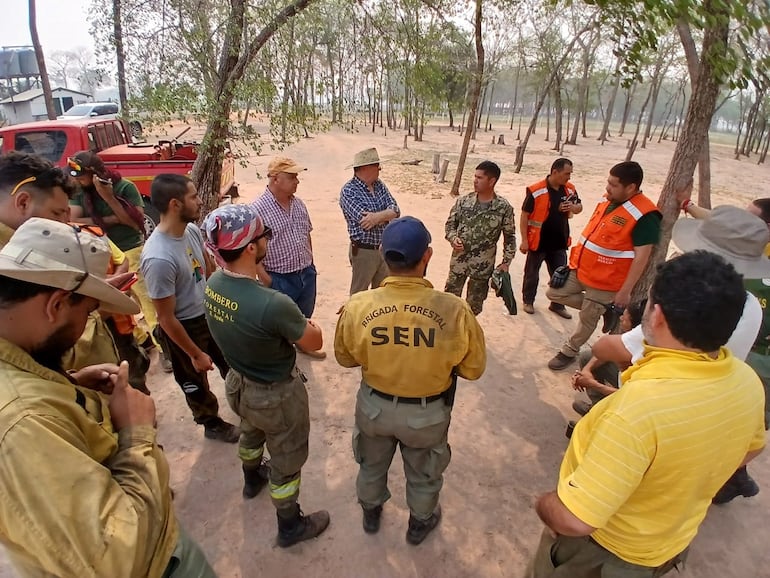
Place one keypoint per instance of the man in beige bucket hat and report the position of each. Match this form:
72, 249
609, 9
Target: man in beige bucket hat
85, 483
368, 207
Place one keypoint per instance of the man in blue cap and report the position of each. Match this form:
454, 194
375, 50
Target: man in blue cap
411, 342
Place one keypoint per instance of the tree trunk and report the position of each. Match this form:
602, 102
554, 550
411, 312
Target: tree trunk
120, 54
635, 140
477, 78
611, 105
630, 92
694, 66
690, 147
233, 62
515, 96
489, 105
49, 107
521, 149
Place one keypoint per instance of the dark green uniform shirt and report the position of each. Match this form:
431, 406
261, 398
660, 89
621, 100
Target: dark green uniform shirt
125, 237
255, 327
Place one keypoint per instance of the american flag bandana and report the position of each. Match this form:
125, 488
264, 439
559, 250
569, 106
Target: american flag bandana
231, 227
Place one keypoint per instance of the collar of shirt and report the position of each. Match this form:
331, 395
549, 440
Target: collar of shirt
401, 281
12, 354
5, 234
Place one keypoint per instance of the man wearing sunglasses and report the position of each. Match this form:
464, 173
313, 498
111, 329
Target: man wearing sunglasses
175, 267
85, 484
30, 186
256, 327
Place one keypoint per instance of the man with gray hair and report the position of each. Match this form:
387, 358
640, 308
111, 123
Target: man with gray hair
367, 206
85, 484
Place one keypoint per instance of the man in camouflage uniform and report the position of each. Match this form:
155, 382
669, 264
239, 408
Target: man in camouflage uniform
473, 229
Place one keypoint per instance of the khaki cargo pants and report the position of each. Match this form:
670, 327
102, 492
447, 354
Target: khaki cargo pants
276, 414
567, 557
578, 296
421, 432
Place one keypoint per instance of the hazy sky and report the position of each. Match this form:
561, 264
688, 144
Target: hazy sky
61, 24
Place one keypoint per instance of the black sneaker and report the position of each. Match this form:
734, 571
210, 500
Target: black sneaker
372, 519
419, 529
560, 361
222, 431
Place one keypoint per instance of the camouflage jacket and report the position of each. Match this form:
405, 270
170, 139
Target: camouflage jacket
479, 226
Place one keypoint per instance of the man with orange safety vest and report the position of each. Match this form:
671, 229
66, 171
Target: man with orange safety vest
548, 206
609, 257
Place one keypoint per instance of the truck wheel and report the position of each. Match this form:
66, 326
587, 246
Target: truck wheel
136, 128
151, 218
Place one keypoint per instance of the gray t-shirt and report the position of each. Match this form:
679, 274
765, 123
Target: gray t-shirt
175, 266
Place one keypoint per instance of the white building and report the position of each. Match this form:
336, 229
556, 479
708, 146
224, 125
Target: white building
29, 105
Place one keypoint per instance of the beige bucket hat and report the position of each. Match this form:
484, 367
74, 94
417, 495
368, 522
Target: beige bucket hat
65, 257
731, 232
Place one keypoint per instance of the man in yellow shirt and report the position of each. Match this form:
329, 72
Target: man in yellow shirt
411, 342
642, 466
85, 486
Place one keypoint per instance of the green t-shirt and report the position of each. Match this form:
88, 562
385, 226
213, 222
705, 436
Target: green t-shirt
254, 326
125, 237
647, 229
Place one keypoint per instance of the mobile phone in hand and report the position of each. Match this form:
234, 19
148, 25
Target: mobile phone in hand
103, 181
129, 283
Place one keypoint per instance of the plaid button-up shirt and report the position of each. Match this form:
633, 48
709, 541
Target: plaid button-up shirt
289, 249
356, 199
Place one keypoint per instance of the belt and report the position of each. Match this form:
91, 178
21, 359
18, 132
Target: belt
414, 400
364, 245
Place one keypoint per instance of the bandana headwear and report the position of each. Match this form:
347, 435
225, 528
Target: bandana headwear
231, 227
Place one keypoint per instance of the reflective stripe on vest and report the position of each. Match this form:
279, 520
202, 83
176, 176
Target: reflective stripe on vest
605, 251
539, 214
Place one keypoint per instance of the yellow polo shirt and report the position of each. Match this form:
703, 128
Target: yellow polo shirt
407, 337
643, 465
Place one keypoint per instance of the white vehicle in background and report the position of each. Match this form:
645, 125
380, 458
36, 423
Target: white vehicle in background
91, 109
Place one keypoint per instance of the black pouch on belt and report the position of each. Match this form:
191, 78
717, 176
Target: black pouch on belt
559, 277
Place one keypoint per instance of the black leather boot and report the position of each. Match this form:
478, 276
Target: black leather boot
255, 476
294, 526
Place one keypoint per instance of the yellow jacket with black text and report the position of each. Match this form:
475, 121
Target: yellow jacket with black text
407, 337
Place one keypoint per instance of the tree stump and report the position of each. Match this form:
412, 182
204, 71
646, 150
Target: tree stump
406, 138
501, 139
436, 163
442, 173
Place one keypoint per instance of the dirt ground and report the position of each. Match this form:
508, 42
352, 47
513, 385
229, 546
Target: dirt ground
507, 434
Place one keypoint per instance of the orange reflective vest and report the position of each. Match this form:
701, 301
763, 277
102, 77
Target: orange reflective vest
540, 213
605, 250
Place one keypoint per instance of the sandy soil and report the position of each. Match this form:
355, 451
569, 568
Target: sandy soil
507, 434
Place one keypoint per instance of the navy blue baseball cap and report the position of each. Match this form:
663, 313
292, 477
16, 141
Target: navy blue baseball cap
405, 240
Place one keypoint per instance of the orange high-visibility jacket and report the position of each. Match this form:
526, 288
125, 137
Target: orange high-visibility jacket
605, 250
542, 206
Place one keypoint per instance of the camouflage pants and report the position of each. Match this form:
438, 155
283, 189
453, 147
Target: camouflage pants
277, 415
478, 287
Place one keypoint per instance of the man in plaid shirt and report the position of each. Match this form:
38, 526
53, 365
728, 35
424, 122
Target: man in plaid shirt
368, 207
288, 266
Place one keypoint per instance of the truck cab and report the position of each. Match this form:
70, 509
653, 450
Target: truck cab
110, 138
